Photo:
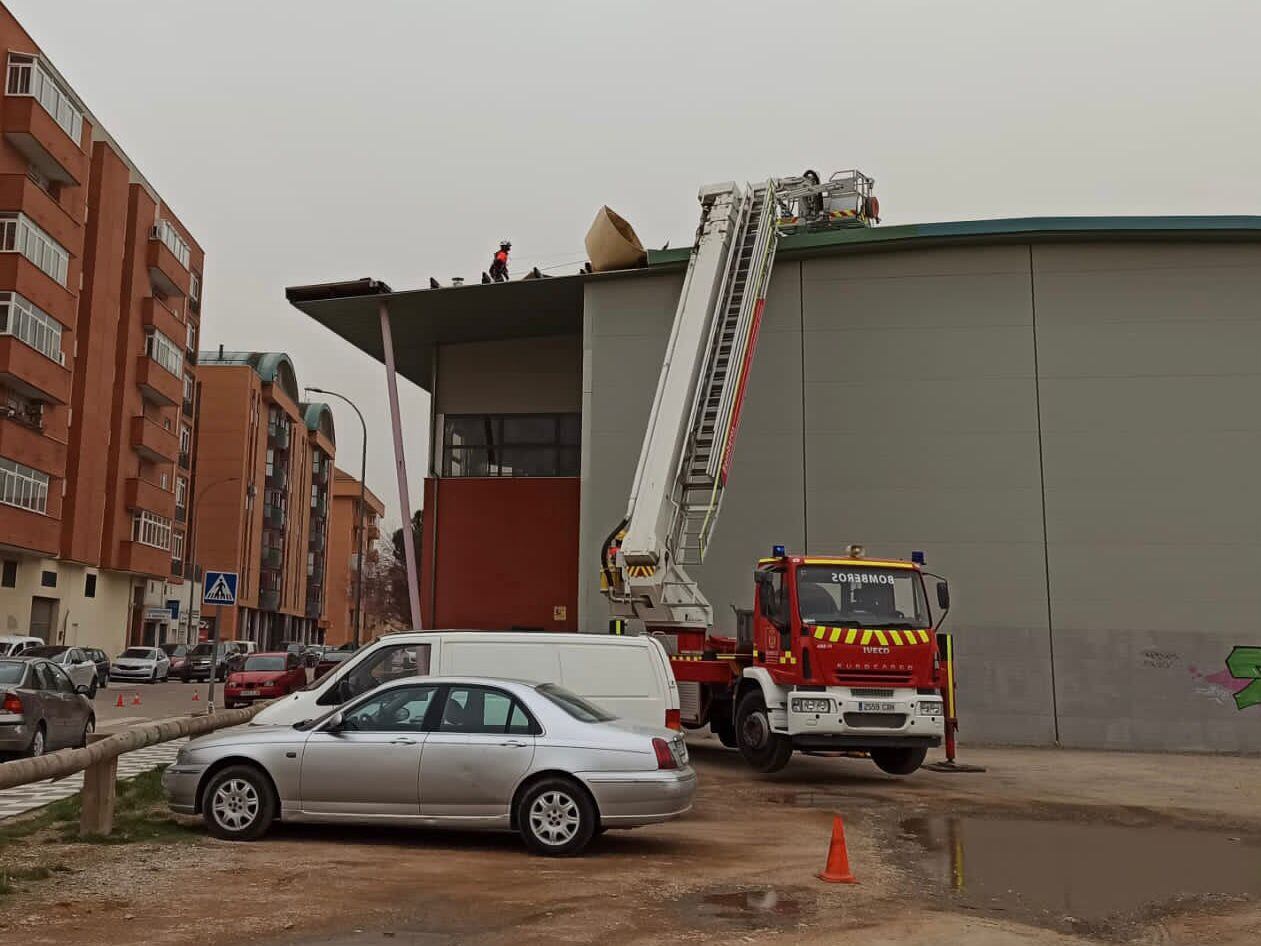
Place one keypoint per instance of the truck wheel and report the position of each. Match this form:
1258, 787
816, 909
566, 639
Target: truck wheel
764, 750
720, 725
898, 760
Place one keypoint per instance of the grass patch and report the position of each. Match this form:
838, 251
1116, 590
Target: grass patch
140, 814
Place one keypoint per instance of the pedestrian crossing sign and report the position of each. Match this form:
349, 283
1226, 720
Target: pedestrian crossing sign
219, 588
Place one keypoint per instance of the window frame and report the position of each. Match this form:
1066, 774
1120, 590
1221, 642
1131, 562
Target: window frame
534, 727
383, 693
24, 487
20, 234
31, 325
164, 353
27, 75
495, 446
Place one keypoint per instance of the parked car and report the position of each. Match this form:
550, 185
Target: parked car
497, 755
247, 647
631, 676
330, 659
149, 664
41, 708
77, 665
223, 658
263, 676
176, 654
102, 661
13, 644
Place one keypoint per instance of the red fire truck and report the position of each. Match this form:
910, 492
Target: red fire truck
839, 652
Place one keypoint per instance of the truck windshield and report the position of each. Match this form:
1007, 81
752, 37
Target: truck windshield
861, 596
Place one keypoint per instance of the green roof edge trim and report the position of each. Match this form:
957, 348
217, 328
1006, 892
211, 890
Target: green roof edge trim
1012, 227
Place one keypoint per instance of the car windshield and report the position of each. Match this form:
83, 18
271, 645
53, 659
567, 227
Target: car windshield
201, 650
175, 650
48, 650
138, 653
11, 671
264, 662
574, 705
861, 596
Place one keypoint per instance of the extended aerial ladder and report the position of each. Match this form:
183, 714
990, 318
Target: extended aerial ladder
686, 457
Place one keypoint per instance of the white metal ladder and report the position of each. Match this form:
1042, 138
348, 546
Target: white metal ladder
702, 474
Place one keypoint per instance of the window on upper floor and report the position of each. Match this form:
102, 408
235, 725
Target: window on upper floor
186, 439
29, 76
19, 234
152, 530
190, 340
181, 491
22, 486
189, 385
511, 445
194, 286
165, 232
177, 546
165, 352
26, 321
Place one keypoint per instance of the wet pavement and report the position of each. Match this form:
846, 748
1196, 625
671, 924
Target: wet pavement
756, 908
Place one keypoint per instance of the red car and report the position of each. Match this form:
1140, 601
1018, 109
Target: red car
264, 677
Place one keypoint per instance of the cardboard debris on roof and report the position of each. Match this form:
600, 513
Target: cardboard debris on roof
612, 244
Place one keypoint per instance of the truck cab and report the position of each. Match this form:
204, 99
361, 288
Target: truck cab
844, 657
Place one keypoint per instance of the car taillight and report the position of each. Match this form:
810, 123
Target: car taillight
673, 719
665, 757
12, 704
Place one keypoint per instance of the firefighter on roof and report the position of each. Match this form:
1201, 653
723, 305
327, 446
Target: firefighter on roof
499, 265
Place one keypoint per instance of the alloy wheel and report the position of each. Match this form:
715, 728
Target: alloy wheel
235, 804
555, 818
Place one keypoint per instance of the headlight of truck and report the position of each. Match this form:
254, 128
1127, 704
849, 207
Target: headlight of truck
812, 705
931, 708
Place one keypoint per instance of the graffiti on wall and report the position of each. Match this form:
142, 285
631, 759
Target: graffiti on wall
1242, 664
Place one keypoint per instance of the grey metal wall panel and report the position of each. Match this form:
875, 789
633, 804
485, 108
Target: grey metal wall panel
513, 376
921, 433
1151, 436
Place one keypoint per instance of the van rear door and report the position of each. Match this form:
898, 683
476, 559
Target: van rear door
620, 677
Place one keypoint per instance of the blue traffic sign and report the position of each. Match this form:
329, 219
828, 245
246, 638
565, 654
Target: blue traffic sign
219, 588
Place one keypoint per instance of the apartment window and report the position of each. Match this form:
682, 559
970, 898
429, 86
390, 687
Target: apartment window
27, 322
190, 338
165, 231
28, 76
271, 461
194, 286
23, 409
89, 586
165, 352
177, 546
511, 445
18, 234
310, 564
181, 490
186, 439
48, 579
152, 530
22, 486
315, 495
189, 383
9, 574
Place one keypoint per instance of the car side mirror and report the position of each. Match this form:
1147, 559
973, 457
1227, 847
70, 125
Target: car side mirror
943, 596
83, 690
333, 725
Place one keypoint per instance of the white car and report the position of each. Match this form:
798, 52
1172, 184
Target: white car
630, 676
78, 666
12, 645
150, 664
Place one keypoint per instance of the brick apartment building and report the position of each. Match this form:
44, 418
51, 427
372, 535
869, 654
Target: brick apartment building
343, 555
100, 297
264, 473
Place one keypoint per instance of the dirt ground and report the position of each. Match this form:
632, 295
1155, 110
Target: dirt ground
1046, 847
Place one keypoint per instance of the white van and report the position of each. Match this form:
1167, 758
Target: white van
628, 676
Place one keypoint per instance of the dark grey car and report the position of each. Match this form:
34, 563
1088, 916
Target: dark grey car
41, 709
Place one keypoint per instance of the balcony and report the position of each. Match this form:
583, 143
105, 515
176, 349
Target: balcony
152, 441
278, 478
185, 461
181, 513
30, 530
158, 316
187, 409
273, 517
165, 271
21, 194
31, 373
157, 384
273, 558
316, 543
28, 445
269, 600
141, 494
144, 559
35, 133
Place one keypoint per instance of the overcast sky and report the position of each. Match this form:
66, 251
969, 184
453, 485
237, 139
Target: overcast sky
311, 140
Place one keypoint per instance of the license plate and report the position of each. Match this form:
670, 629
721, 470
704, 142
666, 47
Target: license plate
249, 693
864, 707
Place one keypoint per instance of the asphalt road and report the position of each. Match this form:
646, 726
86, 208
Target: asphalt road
156, 701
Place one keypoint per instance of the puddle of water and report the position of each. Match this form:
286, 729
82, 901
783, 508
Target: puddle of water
763, 906
1073, 873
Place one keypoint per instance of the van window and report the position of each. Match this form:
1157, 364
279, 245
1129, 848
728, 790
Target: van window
500, 658
379, 666
603, 670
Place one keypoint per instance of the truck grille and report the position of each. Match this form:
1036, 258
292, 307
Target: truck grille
876, 720
870, 692
878, 678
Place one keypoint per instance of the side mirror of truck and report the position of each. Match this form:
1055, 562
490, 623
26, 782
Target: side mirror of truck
943, 596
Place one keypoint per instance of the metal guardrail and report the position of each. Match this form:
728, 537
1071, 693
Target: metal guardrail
99, 760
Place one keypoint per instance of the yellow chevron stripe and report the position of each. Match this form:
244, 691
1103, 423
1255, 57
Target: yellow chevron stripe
923, 636
884, 641
819, 632
851, 635
836, 634
866, 638
897, 638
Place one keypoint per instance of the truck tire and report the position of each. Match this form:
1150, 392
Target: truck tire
721, 725
899, 760
764, 750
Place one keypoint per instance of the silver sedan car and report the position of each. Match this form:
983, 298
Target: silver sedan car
442, 751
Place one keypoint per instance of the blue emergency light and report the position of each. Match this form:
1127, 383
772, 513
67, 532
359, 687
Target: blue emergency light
917, 558
778, 551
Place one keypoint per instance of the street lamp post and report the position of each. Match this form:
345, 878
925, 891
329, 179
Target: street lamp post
192, 544
363, 479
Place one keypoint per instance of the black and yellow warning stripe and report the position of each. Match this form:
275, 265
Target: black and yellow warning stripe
868, 635
641, 571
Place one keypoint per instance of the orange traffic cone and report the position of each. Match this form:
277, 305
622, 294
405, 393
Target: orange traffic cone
120, 700
837, 870
135, 698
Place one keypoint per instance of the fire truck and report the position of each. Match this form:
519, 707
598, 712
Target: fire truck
838, 654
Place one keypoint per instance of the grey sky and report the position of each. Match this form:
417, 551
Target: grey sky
309, 140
